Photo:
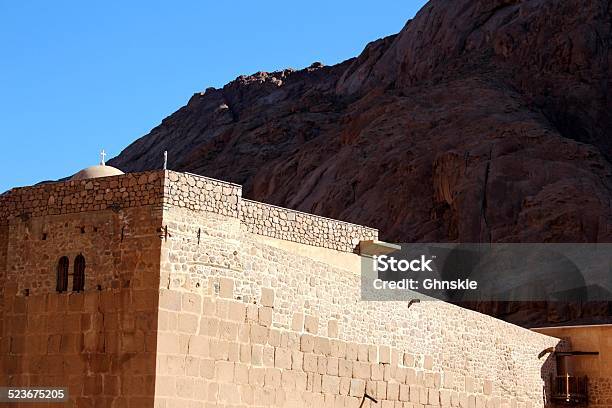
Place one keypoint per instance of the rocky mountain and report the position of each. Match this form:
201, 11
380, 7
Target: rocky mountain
481, 121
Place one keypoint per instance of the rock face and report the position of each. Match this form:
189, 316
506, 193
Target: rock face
482, 120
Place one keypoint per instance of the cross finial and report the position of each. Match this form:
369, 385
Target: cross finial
102, 157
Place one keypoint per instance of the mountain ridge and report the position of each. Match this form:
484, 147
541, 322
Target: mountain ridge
481, 121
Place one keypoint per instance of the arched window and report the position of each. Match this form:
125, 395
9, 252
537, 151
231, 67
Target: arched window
62, 274
78, 278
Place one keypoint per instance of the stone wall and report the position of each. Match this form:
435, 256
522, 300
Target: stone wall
99, 343
296, 226
74, 196
200, 193
476, 357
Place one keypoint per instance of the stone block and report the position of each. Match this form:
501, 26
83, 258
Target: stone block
224, 371
267, 297
322, 346
381, 390
362, 352
469, 384
257, 354
316, 382
330, 384
297, 322
244, 333
226, 288
404, 392
361, 370
393, 390
411, 377
337, 348
372, 354
236, 312
311, 324
191, 303
408, 360
332, 328
384, 354
282, 358
454, 398
265, 316
209, 326
445, 398
352, 350
199, 346
332, 366
233, 352
448, 379
245, 353
272, 378
259, 334
400, 374
428, 362
252, 313
415, 392
434, 397
357, 388
488, 387
424, 395
321, 365
170, 300
288, 380
297, 360
274, 338
219, 349
268, 356
377, 372
345, 368
307, 343
396, 357
428, 380
228, 330
345, 385
311, 363
463, 400
257, 376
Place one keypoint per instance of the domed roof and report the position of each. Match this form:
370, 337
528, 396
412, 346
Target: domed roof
100, 170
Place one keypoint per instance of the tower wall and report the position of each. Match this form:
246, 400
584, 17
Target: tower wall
101, 342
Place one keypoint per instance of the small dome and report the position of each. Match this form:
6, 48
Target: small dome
100, 170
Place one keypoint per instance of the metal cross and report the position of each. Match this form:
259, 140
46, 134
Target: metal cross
102, 157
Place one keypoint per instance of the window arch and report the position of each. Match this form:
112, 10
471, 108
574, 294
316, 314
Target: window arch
78, 278
62, 274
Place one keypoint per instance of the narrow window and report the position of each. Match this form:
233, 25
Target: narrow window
62, 274
78, 279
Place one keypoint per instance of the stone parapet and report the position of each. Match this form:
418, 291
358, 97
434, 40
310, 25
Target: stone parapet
296, 226
201, 193
74, 196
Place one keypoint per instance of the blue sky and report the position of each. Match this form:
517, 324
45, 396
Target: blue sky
76, 77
